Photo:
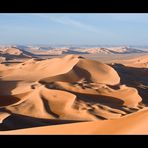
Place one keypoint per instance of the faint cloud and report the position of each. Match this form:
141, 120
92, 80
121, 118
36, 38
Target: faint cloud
71, 22
68, 20
65, 20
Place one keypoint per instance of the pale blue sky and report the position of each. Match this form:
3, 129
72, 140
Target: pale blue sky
74, 28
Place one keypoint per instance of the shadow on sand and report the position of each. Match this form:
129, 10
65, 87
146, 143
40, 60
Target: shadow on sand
134, 77
16, 121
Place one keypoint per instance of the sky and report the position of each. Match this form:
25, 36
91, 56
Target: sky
74, 28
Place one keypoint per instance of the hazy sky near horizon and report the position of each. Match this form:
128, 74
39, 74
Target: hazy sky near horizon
74, 28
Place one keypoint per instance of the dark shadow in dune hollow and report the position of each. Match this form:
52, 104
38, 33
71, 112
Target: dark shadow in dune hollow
134, 77
7, 86
16, 121
5, 93
6, 100
47, 107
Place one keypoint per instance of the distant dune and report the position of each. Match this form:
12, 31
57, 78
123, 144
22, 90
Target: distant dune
77, 50
141, 62
13, 52
2, 59
72, 89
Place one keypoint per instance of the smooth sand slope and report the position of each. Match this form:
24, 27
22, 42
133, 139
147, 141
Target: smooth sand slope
36, 95
138, 62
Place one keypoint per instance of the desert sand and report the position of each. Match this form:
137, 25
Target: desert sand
73, 94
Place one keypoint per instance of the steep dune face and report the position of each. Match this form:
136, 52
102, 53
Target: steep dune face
90, 71
33, 70
76, 69
99, 72
62, 90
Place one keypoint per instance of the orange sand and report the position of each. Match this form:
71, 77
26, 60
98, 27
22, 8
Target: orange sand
82, 96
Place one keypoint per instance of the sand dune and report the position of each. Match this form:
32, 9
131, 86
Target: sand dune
135, 123
34, 70
124, 49
140, 62
48, 50
67, 90
130, 100
2, 59
90, 71
11, 53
